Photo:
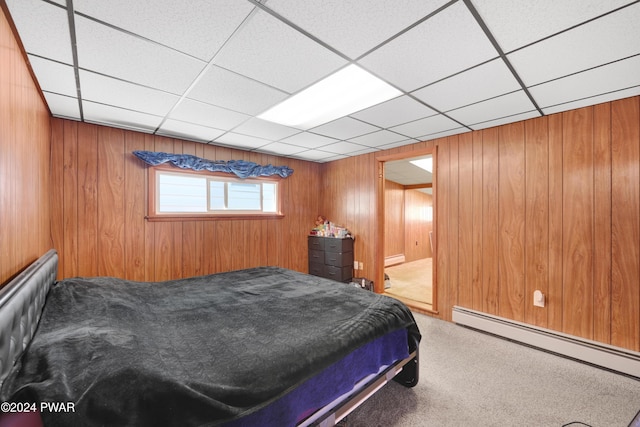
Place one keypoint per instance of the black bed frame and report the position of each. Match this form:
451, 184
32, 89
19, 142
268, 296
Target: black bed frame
23, 298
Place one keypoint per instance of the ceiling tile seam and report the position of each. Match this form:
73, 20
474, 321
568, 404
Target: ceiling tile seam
74, 54
484, 100
592, 96
299, 29
573, 27
496, 45
586, 70
504, 117
206, 68
406, 29
138, 36
122, 108
456, 73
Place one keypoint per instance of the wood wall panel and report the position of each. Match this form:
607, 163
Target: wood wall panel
537, 217
416, 225
511, 221
477, 190
465, 218
602, 222
577, 220
25, 191
105, 187
553, 203
394, 219
490, 216
625, 226
554, 299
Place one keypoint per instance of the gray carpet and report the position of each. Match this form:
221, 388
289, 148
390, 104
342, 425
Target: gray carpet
468, 378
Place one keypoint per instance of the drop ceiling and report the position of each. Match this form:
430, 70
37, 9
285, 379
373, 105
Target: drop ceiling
203, 70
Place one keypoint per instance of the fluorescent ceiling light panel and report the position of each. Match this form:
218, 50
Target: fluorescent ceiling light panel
344, 92
426, 164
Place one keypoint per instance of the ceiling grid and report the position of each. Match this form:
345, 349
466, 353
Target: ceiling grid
204, 70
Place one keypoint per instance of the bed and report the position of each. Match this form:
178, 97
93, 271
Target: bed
263, 346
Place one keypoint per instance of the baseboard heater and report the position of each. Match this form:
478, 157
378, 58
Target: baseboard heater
599, 354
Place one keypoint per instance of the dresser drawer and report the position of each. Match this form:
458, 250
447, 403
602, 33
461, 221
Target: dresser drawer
341, 274
316, 256
339, 259
338, 245
316, 269
316, 243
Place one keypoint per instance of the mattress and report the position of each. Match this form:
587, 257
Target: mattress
208, 350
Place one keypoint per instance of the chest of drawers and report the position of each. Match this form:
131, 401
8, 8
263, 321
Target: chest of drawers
331, 257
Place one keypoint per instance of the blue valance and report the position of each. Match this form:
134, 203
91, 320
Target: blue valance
241, 168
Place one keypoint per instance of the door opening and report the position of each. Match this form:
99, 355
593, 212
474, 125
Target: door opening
407, 235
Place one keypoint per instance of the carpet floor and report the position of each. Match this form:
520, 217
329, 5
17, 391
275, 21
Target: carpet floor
469, 378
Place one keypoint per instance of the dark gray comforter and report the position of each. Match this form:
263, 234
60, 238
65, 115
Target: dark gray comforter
180, 352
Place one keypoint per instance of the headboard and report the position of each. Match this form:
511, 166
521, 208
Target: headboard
21, 303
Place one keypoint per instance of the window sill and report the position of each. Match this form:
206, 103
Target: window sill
209, 217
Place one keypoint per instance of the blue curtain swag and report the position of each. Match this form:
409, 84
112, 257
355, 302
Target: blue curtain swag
241, 168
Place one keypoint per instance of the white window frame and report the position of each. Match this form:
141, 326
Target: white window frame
155, 214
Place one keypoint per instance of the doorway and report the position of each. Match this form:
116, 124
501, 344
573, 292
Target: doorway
407, 204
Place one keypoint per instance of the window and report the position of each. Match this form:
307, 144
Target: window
206, 195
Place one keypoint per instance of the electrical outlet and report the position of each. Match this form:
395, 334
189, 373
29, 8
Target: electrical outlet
360, 265
355, 265
538, 299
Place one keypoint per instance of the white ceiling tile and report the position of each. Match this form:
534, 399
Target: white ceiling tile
258, 127
441, 134
54, 76
463, 89
308, 140
63, 106
43, 28
196, 27
505, 120
118, 117
241, 141
610, 38
353, 27
397, 144
447, 43
515, 23
190, 131
495, 108
344, 128
379, 138
257, 51
396, 111
609, 78
207, 115
108, 51
364, 150
611, 96
426, 126
106, 90
281, 149
343, 147
315, 155
221, 87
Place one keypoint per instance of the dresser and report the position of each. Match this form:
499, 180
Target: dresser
331, 257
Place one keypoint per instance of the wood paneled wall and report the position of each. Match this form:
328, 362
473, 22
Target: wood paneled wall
24, 161
551, 203
417, 225
394, 242
406, 228
98, 222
